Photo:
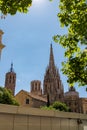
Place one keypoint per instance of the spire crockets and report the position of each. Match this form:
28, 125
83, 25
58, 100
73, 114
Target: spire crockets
51, 60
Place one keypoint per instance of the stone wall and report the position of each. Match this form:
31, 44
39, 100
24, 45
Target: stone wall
24, 118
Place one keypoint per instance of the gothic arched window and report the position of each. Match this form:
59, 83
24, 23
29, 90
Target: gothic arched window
10, 79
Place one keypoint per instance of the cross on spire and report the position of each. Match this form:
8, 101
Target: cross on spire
11, 69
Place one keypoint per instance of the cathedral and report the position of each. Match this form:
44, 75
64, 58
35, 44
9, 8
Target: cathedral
53, 90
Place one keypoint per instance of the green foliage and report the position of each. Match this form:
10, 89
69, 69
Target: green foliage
59, 106
6, 97
76, 69
12, 6
47, 108
73, 15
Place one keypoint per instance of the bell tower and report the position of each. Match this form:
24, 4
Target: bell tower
10, 80
52, 84
36, 87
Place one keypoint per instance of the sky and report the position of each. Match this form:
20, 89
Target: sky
27, 38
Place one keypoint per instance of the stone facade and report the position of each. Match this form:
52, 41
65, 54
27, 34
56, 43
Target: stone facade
83, 105
71, 98
75, 103
36, 87
53, 90
30, 99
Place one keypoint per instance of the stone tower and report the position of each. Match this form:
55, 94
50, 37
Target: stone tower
10, 80
71, 98
36, 87
52, 85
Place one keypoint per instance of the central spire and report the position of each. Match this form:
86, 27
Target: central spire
52, 85
51, 60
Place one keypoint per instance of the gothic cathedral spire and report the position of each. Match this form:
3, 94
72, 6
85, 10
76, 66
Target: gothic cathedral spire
51, 60
52, 85
10, 80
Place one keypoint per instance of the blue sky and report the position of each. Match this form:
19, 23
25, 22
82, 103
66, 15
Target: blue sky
27, 38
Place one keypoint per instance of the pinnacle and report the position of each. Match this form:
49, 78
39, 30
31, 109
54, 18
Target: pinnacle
51, 60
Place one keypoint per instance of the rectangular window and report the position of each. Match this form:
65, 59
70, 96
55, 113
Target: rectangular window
27, 101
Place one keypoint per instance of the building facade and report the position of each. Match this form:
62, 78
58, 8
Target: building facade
53, 90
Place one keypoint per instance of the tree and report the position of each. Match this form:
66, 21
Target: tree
12, 6
60, 106
73, 15
6, 97
57, 106
48, 101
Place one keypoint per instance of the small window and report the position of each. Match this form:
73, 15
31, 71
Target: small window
35, 87
9, 80
27, 101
